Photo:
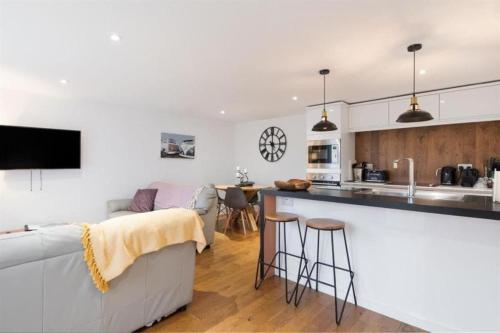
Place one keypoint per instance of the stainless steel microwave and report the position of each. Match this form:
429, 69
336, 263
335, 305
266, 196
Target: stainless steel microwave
323, 154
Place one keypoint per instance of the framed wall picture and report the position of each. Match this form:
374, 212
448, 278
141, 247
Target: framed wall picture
177, 146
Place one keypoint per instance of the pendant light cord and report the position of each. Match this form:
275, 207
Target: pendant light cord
324, 92
414, 73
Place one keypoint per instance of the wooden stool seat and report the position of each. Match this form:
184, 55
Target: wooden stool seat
325, 224
281, 217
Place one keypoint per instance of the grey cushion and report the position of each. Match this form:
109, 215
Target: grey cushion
118, 204
206, 197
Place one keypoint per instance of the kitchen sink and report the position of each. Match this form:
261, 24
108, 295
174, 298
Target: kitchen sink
439, 195
431, 195
394, 193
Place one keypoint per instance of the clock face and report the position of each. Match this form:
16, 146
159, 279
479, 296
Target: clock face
272, 144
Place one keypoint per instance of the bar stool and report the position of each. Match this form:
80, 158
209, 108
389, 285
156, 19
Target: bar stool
328, 225
279, 219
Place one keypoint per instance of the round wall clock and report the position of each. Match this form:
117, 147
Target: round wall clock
272, 144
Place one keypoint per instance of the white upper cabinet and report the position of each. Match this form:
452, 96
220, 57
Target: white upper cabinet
369, 116
474, 104
448, 106
429, 103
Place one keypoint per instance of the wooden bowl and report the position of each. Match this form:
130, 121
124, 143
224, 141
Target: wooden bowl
293, 185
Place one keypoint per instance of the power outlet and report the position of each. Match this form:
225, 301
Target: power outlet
464, 166
287, 202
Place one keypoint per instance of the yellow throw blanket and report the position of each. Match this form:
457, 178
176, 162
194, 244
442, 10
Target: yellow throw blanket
113, 245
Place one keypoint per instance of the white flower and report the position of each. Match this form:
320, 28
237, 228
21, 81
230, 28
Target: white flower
237, 168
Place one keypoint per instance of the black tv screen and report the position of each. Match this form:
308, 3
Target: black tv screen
38, 148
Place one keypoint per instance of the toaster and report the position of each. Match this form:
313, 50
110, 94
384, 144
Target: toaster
376, 176
469, 177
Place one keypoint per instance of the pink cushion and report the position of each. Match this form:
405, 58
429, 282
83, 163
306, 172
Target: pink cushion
172, 195
143, 200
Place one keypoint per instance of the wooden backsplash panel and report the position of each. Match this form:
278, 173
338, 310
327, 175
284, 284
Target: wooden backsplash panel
431, 147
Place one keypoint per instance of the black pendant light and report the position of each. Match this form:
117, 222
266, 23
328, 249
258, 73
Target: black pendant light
324, 125
414, 113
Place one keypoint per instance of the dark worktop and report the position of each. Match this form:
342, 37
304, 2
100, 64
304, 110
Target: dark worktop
471, 206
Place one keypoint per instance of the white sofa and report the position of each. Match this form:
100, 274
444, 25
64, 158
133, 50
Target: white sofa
45, 285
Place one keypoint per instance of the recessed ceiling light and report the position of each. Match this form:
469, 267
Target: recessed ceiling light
63, 81
422, 71
222, 112
295, 98
115, 37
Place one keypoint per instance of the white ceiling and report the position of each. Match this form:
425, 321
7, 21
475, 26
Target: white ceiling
247, 57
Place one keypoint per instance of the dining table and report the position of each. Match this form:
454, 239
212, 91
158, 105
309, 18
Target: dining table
250, 193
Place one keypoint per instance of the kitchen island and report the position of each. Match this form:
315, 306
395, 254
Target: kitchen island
431, 263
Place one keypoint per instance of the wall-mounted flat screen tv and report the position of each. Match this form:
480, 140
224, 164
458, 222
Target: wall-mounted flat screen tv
38, 148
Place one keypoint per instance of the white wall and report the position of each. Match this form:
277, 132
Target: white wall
247, 155
120, 153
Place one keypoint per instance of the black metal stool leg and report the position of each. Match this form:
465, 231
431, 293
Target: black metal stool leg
317, 260
302, 254
334, 278
308, 281
279, 248
259, 272
302, 257
338, 318
258, 281
288, 300
261, 252
300, 274
350, 270
269, 266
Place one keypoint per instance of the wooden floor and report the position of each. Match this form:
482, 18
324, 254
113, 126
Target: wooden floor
226, 301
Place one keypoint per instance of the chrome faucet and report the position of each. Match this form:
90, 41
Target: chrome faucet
411, 175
